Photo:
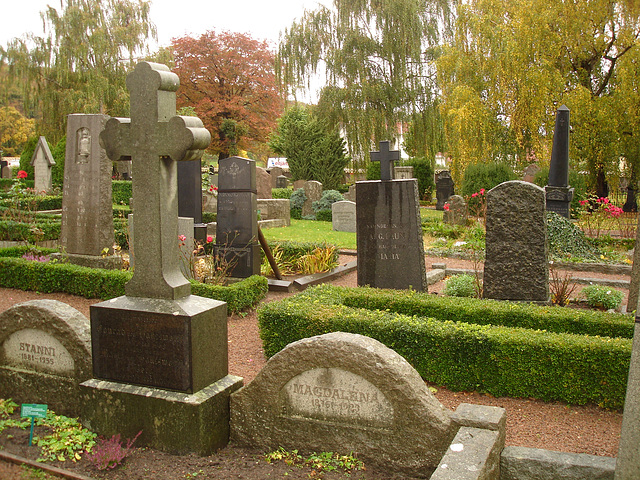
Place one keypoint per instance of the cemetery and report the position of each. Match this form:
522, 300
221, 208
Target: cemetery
372, 307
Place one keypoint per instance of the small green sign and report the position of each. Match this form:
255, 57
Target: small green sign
33, 410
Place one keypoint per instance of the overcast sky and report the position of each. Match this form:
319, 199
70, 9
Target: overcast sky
262, 19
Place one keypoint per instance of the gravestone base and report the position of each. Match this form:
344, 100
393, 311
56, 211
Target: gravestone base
111, 262
173, 422
559, 200
247, 260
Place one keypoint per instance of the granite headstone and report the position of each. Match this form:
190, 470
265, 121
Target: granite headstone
190, 197
455, 211
444, 188
516, 260
263, 183
313, 191
42, 162
558, 192
343, 216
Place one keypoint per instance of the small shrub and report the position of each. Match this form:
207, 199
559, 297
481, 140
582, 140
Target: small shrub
296, 201
423, 172
281, 192
599, 296
460, 286
322, 207
108, 454
485, 175
567, 240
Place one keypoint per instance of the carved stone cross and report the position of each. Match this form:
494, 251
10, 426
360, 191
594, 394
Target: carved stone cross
155, 139
385, 157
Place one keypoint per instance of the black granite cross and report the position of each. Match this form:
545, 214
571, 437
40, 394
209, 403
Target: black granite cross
385, 157
155, 138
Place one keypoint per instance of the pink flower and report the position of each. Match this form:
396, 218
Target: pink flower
474, 195
482, 191
209, 239
22, 174
446, 207
583, 202
182, 238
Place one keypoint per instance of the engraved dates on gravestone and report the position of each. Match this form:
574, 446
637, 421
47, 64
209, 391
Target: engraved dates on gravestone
343, 215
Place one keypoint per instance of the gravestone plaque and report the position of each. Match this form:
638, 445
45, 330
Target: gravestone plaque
403, 173
263, 183
343, 216
558, 192
87, 205
389, 235
42, 162
345, 391
444, 188
313, 191
237, 221
45, 353
282, 182
516, 264
158, 351
455, 211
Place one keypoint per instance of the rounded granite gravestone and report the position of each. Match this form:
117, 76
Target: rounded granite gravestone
346, 392
45, 353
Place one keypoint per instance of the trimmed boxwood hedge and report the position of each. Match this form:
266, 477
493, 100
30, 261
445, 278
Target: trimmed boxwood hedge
500, 360
18, 231
47, 277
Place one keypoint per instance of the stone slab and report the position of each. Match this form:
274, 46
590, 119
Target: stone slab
348, 393
45, 353
474, 454
343, 216
173, 422
172, 344
521, 463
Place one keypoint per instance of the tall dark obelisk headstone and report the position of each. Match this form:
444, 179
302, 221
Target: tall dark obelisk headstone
159, 353
389, 232
558, 192
237, 221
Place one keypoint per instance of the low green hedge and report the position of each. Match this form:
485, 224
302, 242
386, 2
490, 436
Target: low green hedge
38, 202
7, 183
47, 277
492, 312
121, 191
500, 360
18, 231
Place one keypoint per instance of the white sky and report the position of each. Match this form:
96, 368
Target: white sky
262, 19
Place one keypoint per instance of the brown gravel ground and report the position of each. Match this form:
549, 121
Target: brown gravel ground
530, 422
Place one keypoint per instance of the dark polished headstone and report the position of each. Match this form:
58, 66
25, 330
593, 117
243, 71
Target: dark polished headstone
190, 197
389, 236
445, 188
558, 192
237, 221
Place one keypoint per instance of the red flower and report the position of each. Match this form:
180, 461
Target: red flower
482, 191
22, 174
446, 207
474, 195
209, 239
583, 202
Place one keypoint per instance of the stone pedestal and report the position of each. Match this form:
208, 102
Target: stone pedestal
559, 200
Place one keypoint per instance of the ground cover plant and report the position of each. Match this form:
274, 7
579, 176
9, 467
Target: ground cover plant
502, 348
309, 231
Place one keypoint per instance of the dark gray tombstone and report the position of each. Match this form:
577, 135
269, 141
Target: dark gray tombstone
158, 351
4, 164
558, 192
444, 188
190, 197
282, 182
237, 222
389, 233
516, 264
42, 162
87, 204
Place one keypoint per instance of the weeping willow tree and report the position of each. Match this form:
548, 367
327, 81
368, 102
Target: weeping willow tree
376, 57
80, 64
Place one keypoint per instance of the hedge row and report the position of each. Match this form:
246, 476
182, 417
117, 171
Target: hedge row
492, 312
37, 202
18, 231
48, 277
500, 360
121, 191
7, 183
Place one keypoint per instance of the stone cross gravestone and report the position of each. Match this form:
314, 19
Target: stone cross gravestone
158, 352
516, 261
343, 216
444, 188
237, 221
42, 162
389, 234
558, 192
386, 158
87, 204
45, 353
348, 392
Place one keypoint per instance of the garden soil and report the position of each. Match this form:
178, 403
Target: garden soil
530, 423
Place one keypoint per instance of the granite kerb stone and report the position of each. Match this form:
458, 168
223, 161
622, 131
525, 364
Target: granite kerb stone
265, 413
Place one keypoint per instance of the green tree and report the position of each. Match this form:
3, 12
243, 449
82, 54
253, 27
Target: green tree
79, 65
377, 72
15, 130
313, 150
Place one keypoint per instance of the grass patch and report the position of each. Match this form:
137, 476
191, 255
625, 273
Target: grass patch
311, 231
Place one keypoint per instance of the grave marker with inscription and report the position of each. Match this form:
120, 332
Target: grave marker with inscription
87, 205
558, 192
45, 353
237, 222
343, 216
389, 234
345, 391
313, 191
159, 353
42, 162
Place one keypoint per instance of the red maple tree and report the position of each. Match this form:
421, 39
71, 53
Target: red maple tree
229, 79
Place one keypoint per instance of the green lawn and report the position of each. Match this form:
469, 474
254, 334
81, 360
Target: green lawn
311, 231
